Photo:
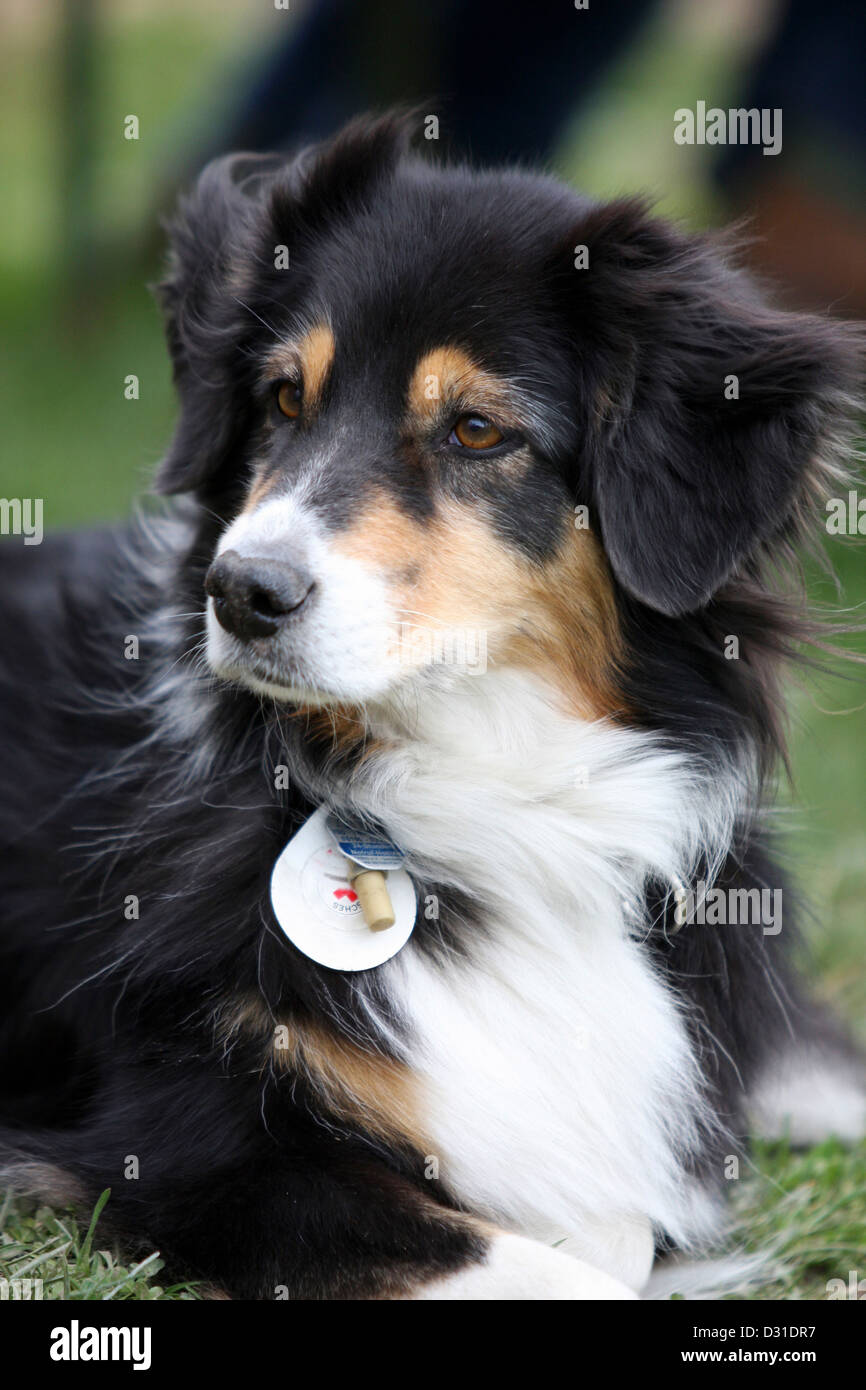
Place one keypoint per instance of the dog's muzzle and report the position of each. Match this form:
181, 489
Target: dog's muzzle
255, 597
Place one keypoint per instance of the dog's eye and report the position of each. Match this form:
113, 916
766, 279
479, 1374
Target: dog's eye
476, 432
289, 399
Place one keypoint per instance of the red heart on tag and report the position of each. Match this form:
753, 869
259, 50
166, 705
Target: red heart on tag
346, 893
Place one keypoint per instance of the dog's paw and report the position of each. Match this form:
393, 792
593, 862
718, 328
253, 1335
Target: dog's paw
807, 1095
517, 1269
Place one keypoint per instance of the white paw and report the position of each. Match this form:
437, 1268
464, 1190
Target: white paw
623, 1247
808, 1097
518, 1269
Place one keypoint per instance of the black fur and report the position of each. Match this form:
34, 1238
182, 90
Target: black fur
111, 1033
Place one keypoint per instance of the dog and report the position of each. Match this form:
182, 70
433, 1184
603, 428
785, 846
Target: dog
481, 495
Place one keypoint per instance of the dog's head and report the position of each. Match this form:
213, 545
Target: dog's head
452, 419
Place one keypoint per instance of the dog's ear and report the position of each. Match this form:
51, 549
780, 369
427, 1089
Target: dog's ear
238, 248
706, 410
206, 325
333, 178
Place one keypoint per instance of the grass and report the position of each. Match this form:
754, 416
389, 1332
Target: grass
809, 1209
59, 1250
71, 438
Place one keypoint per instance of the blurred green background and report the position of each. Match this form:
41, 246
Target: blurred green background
79, 243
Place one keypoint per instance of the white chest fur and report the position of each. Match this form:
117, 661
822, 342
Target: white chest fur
559, 1085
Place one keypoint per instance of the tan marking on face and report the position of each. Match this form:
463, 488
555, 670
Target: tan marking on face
448, 379
577, 639
310, 357
317, 356
557, 618
263, 483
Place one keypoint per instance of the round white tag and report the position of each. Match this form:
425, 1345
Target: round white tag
318, 909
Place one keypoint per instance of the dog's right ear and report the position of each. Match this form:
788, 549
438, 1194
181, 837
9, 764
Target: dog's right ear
206, 324
222, 284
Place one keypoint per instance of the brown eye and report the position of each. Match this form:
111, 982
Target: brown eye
476, 432
289, 399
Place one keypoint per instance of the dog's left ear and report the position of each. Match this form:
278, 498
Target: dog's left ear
706, 410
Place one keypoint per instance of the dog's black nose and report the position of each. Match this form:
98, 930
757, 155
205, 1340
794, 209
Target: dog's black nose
252, 596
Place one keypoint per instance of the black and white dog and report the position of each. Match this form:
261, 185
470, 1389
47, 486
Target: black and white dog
487, 492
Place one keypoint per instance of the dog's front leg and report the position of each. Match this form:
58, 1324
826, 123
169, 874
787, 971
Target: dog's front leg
316, 1220
514, 1268
623, 1246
